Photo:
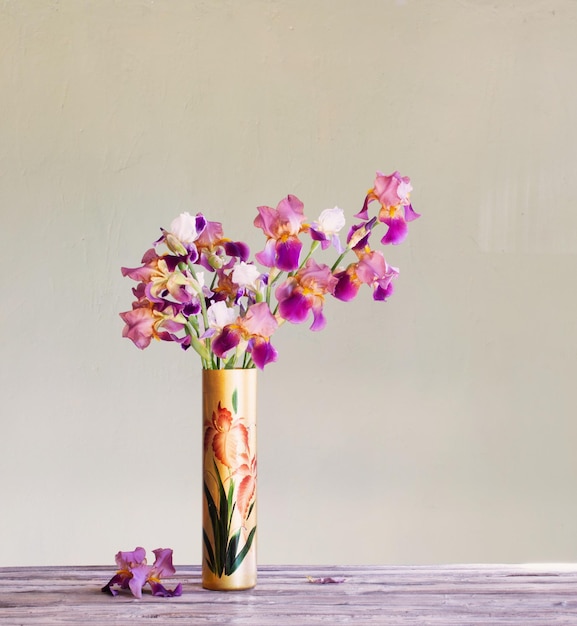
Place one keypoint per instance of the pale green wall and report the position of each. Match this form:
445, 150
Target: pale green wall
439, 427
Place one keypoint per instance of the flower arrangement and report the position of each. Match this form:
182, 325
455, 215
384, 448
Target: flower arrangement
199, 289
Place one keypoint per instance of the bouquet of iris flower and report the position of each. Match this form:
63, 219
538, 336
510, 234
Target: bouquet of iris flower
200, 289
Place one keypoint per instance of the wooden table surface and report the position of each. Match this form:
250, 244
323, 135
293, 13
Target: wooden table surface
390, 595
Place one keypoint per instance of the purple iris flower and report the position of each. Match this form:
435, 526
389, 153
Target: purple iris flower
359, 234
347, 285
237, 249
371, 269
213, 247
133, 573
282, 227
227, 339
304, 292
255, 328
392, 193
262, 351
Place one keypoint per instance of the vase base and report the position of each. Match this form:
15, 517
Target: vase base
226, 586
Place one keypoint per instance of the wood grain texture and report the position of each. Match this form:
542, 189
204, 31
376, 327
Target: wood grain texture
388, 595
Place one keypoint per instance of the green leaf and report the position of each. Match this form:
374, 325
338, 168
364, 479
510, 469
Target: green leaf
224, 523
230, 362
231, 552
212, 511
216, 531
230, 495
240, 557
235, 400
222, 557
199, 346
250, 508
231, 505
209, 551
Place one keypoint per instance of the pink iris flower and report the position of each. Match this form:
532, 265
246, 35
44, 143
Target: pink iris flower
144, 321
392, 193
160, 279
305, 292
371, 269
282, 227
139, 325
145, 271
133, 573
255, 328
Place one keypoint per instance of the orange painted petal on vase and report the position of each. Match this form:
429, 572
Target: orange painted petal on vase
220, 423
245, 495
230, 447
222, 418
209, 432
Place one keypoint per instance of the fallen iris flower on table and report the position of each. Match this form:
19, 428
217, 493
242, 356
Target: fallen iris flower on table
326, 580
133, 573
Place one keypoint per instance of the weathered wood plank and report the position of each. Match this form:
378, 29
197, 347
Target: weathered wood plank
388, 595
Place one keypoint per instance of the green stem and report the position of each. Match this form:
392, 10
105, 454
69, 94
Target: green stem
314, 245
347, 249
248, 363
210, 364
341, 257
270, 285
191, 329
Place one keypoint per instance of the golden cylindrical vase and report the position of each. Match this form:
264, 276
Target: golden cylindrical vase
229, 479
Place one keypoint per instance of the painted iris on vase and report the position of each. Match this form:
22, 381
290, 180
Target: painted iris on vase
229, 489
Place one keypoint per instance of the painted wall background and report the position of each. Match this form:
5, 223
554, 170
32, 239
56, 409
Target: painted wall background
438, 427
